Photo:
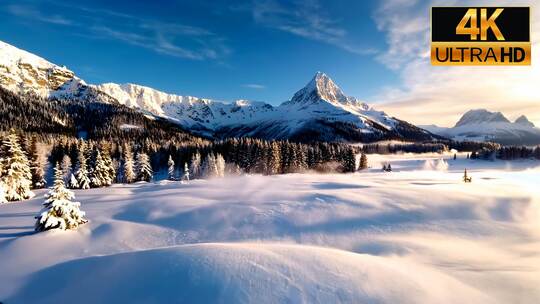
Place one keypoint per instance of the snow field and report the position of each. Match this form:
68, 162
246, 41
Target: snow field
410, 236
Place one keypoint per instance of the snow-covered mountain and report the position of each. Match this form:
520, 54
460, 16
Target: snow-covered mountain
318, 112
26, 73
483, 125
192, 112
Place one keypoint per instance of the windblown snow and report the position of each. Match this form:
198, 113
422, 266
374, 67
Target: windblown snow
415, 235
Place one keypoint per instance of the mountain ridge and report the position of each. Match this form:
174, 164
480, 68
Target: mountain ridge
483, 125
320, 111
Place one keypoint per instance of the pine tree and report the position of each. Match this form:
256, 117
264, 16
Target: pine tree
233, 169
14, 169
185, 176
220, 165
109, 174
36, 166
171, 170
466, 178
73, 183
274, 160
363, 162
100, 173
349, 161
195, 166
209, 167
144, 168
66, 168
129, 170
81, 171
59, 211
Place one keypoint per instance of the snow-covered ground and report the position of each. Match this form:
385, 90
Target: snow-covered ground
416, 235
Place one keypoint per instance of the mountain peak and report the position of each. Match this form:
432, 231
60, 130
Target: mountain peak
481, 116
523, 120
322, 88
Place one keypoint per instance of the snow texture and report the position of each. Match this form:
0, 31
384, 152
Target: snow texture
414, 235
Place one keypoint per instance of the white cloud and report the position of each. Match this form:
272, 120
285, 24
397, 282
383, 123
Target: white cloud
25, 11
305, 19
254, 86
440, 95
171, 39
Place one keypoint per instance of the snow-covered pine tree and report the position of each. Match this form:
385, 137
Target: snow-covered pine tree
14, 169
185, 176
81, 170
109, 174
363, 162
195, 165
59, 211
220, 165
274, 159
66, 168
2, 194
36, 165
129, 170
99, 174
232, 169
144, 168
171, 170
73, 183
209, 167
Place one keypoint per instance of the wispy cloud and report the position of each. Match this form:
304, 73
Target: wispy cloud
172, 39
30, 12
305, 19
254, 86
441, 95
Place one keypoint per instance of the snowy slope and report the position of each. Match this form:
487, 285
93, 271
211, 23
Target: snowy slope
321, 111
23, 72
187, 110
482, 125
320, 100
411, 236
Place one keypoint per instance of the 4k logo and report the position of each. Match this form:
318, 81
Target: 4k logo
480, 36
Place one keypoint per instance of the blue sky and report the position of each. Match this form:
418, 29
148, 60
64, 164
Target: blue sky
266, 50
226, 50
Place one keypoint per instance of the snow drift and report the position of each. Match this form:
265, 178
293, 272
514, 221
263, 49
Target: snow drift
244, 273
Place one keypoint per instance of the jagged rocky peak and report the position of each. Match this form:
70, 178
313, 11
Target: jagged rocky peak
524, 121
323, 88
481, 116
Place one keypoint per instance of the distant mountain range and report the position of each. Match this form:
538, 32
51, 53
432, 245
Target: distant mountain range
483, 125
318, 112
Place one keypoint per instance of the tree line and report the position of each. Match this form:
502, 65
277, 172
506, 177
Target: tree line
507, 153
25, 160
